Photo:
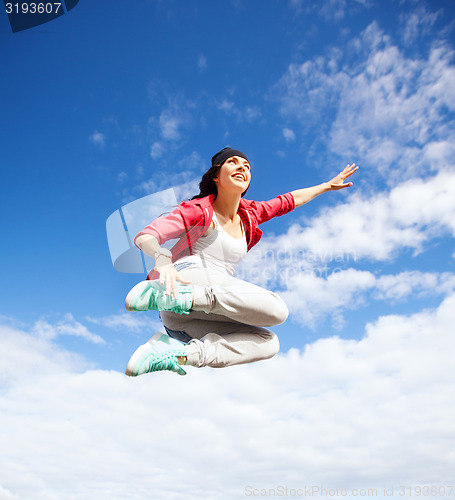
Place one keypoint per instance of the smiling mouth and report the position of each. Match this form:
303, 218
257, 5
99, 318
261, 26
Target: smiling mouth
239, 176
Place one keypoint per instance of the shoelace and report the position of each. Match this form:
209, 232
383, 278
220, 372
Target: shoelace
178, 306
158, 300
166, 361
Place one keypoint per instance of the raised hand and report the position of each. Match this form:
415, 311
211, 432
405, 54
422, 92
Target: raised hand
338, 181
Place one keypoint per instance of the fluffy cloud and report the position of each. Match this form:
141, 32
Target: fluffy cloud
418, 23
169, 125
97, 138
331, 10
391, 110
317, 264
128, 321
157, 150
341, 413
244, 113
68, 326
311, 298
288, 134
170, 122
202, 62
379, 226
376, 227
26, 355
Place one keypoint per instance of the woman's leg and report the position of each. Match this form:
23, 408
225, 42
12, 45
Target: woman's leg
224, 326
220, 294
217, 343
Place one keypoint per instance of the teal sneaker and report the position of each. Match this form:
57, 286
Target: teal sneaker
158, 354
150, 295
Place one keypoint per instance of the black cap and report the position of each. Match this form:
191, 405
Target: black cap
220, 157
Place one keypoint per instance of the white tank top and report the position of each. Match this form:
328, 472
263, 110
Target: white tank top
217, 250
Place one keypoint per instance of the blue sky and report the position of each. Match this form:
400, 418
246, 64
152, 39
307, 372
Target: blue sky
111, 103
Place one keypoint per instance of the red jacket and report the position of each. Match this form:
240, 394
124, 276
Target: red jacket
191, 219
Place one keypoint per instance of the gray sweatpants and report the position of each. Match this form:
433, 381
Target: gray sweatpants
226, 324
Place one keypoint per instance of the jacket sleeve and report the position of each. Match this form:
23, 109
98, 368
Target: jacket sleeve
266, 210
166, 227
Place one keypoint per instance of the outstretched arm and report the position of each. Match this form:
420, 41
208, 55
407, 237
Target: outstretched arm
302, 196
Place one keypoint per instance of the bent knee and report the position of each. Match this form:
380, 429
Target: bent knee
280, 312
273, 346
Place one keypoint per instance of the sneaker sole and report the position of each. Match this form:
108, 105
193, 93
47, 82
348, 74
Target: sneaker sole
137, 353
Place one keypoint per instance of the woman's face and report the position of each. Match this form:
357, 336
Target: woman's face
234, 175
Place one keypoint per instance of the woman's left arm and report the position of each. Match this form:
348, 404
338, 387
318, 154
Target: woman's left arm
302, 196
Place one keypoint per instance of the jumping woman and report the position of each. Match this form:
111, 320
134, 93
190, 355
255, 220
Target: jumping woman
211, 317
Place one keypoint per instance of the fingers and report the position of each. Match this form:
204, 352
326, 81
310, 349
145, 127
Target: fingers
169, 286
350, 169
170, 279
175, 290
341, 186
347, 172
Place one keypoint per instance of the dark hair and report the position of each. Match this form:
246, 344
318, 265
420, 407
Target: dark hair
207, 185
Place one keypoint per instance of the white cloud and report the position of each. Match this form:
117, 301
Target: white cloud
188, 170
369, 227
127, 321
390, 108
247, 113
342, 413
26, 355
202, 62
331, 10
7, 495
250, 114
417, 23
97, 138
157, 150
150, 186
288, 134
194, 162
415, 283
317, 264
68, 326
169, 125
122, 176
188, 190
311, 297
226, 105
170, 122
